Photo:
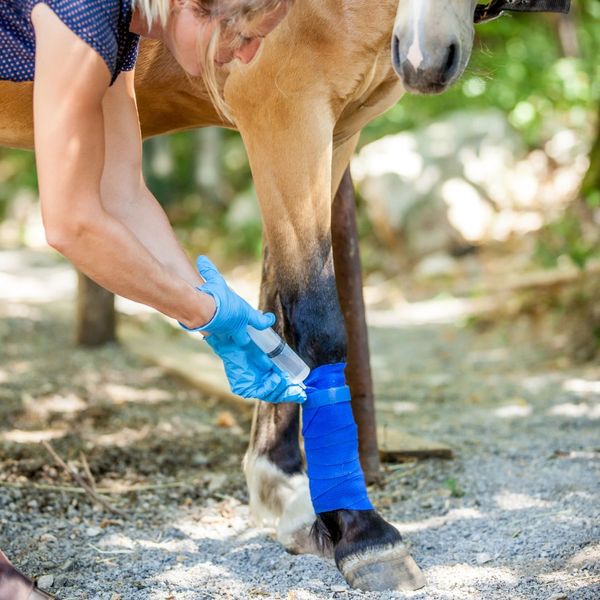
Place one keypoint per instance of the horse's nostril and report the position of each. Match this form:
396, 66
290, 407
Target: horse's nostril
396, 52
451, 64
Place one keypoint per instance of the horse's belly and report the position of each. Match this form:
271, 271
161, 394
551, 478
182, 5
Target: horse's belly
16, 114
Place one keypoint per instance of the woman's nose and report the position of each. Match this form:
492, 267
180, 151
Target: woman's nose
248, 51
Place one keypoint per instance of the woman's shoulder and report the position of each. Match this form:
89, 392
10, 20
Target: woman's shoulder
104, 25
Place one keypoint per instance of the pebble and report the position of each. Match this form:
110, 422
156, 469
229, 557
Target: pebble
216, 482
200, 460
339, 588
482, 558
93, 531
67, 564
45, 581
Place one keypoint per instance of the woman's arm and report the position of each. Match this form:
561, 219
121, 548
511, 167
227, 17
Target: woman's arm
71, 81
123, 190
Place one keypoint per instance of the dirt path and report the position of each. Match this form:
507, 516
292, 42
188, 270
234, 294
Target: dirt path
516, 515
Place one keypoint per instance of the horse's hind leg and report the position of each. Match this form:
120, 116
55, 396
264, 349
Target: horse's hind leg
274, 466
277, 484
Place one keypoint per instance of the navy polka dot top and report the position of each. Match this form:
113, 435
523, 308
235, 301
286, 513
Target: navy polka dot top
103, 24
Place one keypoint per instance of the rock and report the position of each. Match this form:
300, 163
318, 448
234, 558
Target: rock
48, 537
315, 584
61, 580
482, 558
45, 581
93, 531
439, 188
558, 596
339, 588
200, 460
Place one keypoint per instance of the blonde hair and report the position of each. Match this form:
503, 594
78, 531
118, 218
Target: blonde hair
230, 14
154, 10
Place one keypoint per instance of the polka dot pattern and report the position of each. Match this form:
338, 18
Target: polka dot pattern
103, 24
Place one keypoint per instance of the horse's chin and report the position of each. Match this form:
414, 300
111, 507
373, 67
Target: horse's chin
418, 85
425, 88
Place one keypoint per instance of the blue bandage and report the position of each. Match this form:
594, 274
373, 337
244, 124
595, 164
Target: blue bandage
331, 443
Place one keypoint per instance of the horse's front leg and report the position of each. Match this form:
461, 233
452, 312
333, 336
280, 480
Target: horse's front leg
290, 152
274, 465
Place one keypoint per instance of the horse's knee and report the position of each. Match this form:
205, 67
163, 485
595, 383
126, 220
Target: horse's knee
314, 321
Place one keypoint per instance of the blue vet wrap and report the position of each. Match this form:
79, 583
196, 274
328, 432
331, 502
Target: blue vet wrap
331, 443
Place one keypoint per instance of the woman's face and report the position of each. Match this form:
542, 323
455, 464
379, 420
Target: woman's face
189, 36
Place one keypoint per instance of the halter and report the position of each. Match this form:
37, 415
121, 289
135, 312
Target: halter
495, 8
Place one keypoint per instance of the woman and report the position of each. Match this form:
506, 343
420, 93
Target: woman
96, 208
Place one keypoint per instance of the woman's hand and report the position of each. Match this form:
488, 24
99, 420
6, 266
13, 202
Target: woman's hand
233, 314
250, 372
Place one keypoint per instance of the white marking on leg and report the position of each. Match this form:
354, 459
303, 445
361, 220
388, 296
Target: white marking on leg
415, 54
280, 501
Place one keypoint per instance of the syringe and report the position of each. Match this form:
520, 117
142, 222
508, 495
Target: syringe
280, 353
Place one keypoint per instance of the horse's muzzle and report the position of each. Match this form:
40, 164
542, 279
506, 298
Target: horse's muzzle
434, 73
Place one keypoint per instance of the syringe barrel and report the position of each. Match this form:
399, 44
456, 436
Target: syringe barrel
280, 353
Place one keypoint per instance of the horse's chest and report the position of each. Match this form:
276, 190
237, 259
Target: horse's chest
382, 89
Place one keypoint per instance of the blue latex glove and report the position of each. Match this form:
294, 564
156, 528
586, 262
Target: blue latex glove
250, 372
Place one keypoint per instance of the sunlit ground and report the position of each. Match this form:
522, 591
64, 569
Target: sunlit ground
515, 514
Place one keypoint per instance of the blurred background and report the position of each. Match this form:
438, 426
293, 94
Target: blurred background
459, 194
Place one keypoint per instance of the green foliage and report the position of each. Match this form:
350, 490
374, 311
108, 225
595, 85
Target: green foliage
456, 490
17, 172
566, 237
593, 199
517, 66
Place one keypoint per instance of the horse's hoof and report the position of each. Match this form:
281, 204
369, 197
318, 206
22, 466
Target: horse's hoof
380, 569
369, 551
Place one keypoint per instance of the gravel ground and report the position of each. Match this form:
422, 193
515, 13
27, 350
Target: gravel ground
516, 515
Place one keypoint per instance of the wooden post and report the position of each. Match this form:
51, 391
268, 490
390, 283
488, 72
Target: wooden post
346, 257
96, 317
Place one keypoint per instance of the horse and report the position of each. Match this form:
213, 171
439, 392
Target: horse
329, 69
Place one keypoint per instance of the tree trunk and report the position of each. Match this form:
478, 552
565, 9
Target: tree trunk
96, 317
591, 181
346, 258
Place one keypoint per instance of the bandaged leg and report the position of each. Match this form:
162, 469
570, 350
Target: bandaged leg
331, 443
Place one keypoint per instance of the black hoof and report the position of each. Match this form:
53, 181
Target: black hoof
368, 551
